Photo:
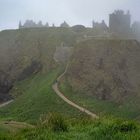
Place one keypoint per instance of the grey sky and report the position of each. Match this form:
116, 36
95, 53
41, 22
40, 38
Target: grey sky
56, 11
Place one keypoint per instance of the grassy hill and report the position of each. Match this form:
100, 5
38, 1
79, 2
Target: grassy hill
27, 51
28, 70
34, 105
103, 75
36, 98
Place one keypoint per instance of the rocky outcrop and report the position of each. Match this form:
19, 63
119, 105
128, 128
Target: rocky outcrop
62, 53
7, 80
28, 51
106, 69
5, 85
33, 68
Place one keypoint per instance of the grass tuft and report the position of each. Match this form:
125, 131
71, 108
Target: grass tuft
55, 122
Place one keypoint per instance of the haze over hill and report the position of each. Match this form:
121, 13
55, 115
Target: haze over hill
70, 71
106, 69
26, 52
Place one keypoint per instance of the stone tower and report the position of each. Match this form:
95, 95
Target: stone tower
20, 25
119, 22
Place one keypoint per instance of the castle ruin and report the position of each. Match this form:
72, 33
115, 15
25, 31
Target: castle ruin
119, 22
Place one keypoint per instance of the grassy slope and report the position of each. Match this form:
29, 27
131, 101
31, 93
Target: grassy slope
82, 65
128, 110
84, 129
19, 48
37, 98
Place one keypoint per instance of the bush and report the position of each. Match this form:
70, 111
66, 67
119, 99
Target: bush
106, 128
54, 122
126, 127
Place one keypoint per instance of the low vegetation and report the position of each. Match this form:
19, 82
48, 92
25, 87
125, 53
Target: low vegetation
128, 110
59, 128
36, 97
54, 122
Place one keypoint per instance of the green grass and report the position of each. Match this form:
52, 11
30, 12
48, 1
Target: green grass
81, 129
37, 98
128, 110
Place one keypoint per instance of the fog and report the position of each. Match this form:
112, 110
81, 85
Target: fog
56, 11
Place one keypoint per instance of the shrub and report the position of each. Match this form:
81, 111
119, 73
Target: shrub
126, 127
54, 122
110, 128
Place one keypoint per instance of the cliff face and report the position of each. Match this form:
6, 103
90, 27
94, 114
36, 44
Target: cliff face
28, 51
106, 69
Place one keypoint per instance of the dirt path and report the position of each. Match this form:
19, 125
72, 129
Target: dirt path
6, 103
15, 124
61, 95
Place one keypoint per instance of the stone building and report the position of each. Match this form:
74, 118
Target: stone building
136, 27
32, 24
101, 26
136, 30
64, 25
119, 22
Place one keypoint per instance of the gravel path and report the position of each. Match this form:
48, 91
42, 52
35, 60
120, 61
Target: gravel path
6, 103
61, 95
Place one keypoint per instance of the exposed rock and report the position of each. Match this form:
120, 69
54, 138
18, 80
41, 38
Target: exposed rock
62, 53
107, 69
33, 68
28, 51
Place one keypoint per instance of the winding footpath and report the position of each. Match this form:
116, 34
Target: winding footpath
6, 103
61, 95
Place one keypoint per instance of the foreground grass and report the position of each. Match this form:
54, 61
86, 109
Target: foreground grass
130, 109
58, 128
36, 98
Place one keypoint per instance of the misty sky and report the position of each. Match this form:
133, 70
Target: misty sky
56, 11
